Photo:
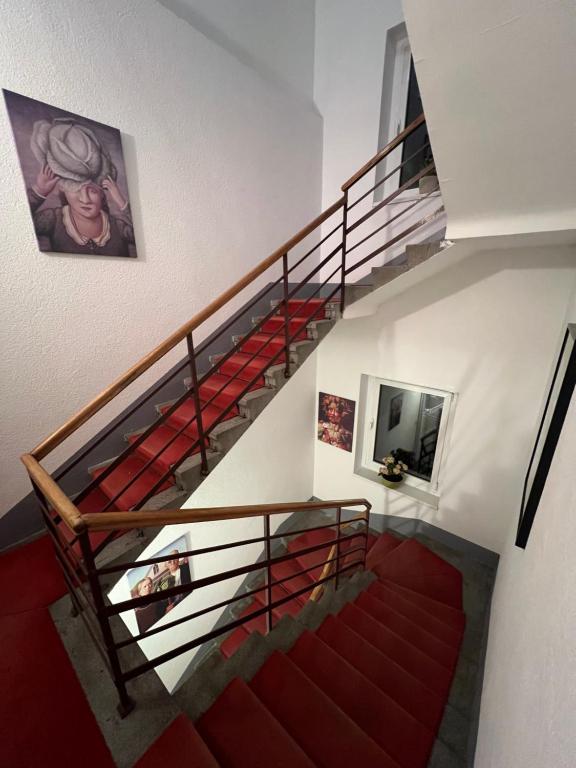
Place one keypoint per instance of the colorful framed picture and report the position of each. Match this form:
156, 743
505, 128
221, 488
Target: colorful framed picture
157, 577
336, 421
75, 180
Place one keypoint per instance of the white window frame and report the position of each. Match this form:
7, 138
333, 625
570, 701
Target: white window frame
365, 464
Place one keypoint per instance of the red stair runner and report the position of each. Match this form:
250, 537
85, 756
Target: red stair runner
265, 345
435, 676
410, 611
382, 547
399, 734
119, 477
414, 566
452, 616
414, 634
422, 703
180, 745
328, 736
241, 732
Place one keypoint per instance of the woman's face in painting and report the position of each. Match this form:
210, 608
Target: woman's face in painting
333, 413
84, 199
145, 587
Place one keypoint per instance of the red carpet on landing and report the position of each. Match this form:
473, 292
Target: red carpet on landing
46, 720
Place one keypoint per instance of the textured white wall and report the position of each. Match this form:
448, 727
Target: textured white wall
275, 37
529, 696
350, 46
499, 99
223, 167
273, 462
488, 328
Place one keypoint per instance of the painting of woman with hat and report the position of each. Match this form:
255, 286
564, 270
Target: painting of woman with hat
79, 203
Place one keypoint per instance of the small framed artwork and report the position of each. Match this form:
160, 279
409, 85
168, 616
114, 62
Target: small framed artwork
336, 421
395, 411
157, 577
75, 179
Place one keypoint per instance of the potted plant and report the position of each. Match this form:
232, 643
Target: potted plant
392, 470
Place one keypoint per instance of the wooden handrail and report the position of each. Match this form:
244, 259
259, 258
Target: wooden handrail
108, 394
113, 521
384, 152
54, 494
319, 588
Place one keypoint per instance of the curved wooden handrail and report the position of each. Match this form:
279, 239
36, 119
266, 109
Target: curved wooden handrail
108, 394
113, 521
383, 152
54, 494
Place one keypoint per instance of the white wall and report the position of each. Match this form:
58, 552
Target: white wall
275, 37
500, 104
488, 328
273, 462
529, 695
223, 167
349, 67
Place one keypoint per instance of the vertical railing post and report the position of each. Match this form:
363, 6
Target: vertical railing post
286, 315
197, 404
366, 532
338, 524
344, 235
269, 622
126, 703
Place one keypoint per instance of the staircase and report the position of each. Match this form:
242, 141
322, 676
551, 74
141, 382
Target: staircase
361, 678
143, 487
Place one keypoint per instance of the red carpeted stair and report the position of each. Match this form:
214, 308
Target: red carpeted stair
367, 688
219, 392
295, 580
180, 745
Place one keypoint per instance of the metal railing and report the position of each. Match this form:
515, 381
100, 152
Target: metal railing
320, 274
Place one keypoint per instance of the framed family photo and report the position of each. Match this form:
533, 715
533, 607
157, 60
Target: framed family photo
75, 180
157, 577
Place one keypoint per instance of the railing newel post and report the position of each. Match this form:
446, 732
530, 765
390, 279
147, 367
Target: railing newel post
366, 531
287, 372
204, 470
126, 704
268, 550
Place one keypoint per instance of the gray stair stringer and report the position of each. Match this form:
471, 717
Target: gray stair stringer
414, 255
197, 694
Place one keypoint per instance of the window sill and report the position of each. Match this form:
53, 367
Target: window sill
406, 488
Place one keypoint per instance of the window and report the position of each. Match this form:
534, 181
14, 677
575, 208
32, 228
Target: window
410, 421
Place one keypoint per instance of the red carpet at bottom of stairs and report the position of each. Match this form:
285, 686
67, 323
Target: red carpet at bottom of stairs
368, 688
46, 719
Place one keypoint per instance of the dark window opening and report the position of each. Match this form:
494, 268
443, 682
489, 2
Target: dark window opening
417, 150
408, 424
